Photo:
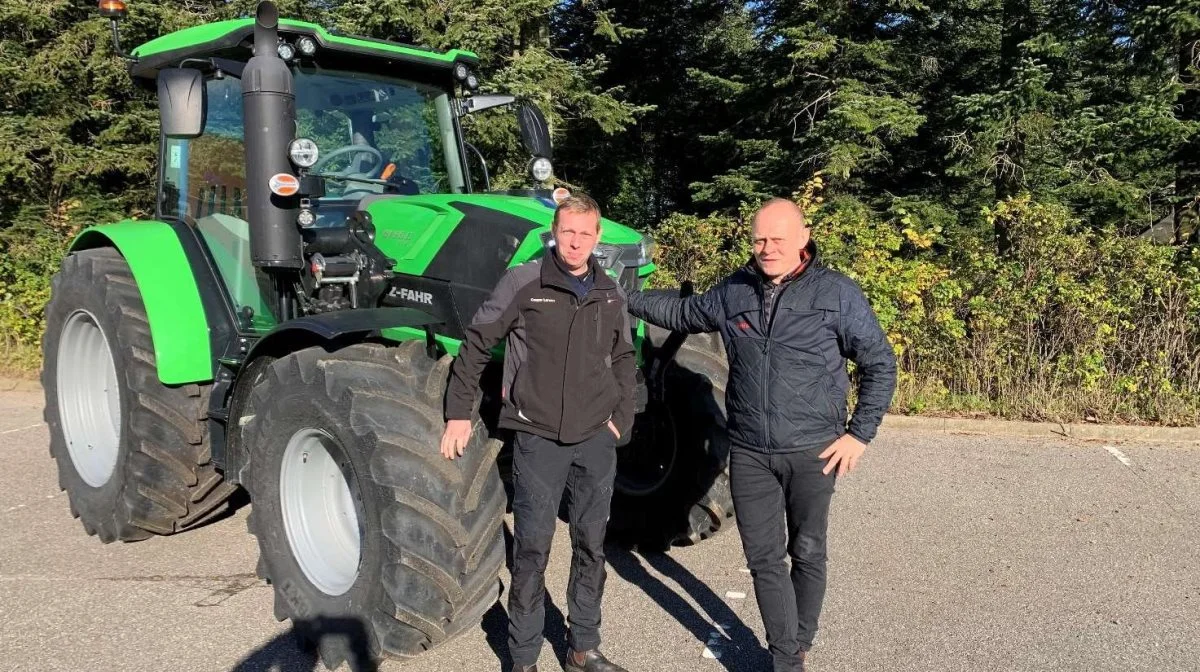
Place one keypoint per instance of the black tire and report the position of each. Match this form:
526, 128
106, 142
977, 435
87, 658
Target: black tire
163, 480
431, 545
693, 501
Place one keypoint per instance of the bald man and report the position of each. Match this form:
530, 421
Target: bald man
789, 325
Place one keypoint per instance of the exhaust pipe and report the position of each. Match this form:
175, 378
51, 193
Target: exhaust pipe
269, 107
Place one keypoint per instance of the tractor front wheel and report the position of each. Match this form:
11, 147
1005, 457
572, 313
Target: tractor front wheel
376, 544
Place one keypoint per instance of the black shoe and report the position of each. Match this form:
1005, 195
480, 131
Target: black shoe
593, 661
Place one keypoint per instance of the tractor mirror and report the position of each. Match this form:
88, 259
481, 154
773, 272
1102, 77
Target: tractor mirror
535, 132
181, 102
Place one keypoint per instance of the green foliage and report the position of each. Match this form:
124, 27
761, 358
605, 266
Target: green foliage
1075, 323
985, 169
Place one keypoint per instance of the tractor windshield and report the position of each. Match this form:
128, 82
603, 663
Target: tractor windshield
378, 128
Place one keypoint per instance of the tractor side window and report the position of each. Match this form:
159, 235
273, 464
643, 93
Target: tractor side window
206, 176
204, 184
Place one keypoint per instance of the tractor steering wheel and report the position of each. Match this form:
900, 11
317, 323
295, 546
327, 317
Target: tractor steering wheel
351, 149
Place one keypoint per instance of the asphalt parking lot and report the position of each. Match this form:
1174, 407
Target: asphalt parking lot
947, 553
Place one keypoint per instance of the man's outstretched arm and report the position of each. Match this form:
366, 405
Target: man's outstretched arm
692, 315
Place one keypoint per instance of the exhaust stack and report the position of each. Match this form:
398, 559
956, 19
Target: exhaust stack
269, 107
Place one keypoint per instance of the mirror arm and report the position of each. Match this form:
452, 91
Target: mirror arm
226, 66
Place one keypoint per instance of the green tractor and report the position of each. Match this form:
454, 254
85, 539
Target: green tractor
286, 324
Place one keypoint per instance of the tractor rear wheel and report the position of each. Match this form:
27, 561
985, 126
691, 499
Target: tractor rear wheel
672, 485
132, 453
375, 544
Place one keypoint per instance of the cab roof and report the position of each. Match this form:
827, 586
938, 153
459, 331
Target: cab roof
211, 38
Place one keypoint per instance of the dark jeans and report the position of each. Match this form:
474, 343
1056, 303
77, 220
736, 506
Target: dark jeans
782, 504
541, 469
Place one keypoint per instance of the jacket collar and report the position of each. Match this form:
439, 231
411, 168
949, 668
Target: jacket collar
553, 274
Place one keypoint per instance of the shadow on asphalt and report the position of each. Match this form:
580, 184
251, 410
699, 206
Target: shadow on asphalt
740, 650
296, 650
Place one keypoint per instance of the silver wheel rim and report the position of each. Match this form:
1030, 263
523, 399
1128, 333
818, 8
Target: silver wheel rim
318, 513
89, 398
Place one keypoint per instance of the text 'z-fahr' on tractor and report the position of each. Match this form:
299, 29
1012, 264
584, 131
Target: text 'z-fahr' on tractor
287, 322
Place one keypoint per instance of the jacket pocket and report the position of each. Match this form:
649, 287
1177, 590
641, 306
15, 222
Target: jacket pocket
525, 402
514, 388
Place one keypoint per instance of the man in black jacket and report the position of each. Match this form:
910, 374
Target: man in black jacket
568, 390
789, 324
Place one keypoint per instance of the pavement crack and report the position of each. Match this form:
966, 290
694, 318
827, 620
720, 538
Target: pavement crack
221, 587
179, 578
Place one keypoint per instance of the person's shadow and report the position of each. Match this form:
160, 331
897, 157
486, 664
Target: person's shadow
740, 651
291, 652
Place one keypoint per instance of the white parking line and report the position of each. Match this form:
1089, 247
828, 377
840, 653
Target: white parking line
20, 429
1119, 455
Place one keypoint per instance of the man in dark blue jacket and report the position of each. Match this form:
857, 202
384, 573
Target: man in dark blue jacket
789, 324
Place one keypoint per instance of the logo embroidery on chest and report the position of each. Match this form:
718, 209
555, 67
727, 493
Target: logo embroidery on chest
743, 325
538, 299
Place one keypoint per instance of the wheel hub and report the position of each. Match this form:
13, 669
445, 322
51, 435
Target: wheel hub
89, 398
319, 512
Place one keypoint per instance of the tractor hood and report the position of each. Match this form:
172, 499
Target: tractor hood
473, 238
451, 250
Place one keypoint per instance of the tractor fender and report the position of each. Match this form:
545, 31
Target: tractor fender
329, 330
338, 327
165, 278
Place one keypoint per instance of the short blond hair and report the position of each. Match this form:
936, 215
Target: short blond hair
580, 204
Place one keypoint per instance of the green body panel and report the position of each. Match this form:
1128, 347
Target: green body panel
197, 36
160, 267
412, 229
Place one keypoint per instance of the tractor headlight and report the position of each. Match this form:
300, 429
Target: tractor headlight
286, 51
461, 72
308, 46
304, 152
541, 169
646, 250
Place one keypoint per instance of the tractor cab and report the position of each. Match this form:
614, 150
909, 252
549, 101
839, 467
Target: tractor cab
300, 154
371, 118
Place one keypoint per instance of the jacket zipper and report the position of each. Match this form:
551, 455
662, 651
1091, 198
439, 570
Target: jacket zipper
562, 398
767, 357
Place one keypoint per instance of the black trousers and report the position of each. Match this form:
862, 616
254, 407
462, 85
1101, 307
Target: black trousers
782, 505
541, 469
